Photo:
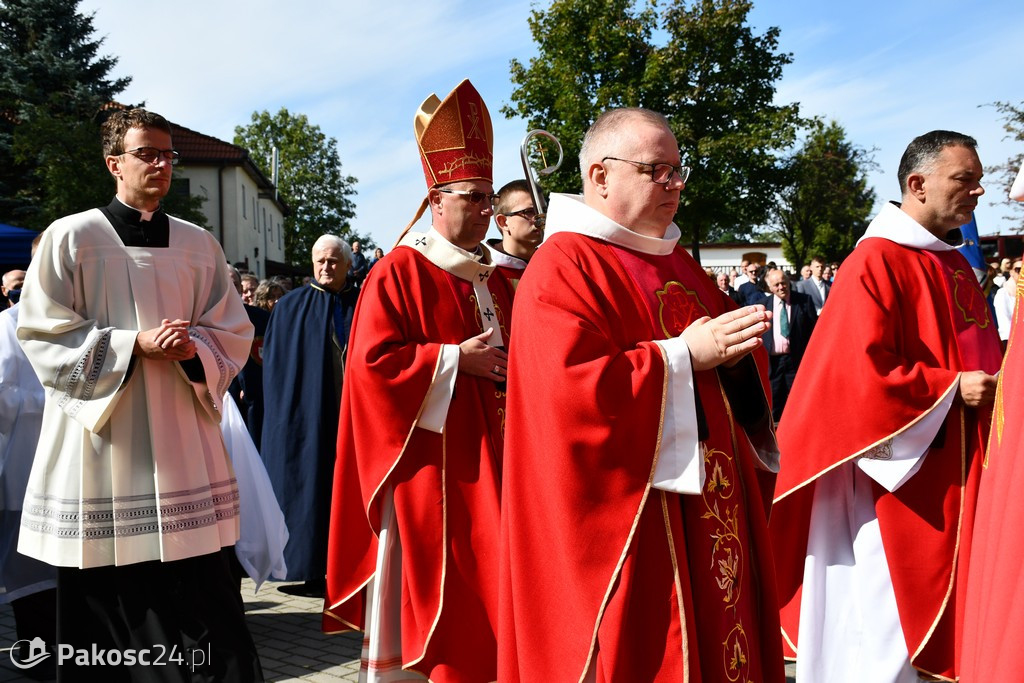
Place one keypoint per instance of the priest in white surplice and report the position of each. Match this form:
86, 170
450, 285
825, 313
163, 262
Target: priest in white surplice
130, 321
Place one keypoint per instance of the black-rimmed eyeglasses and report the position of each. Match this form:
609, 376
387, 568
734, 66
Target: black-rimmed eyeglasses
474, 196
660, 173
529, 215
150, 155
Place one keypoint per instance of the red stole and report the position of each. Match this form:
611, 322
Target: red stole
720, 558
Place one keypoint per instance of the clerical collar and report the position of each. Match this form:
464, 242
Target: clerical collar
130, 213
135, 232
569, 213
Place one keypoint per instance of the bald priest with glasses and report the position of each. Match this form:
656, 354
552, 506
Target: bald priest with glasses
413, 545
634, 542
134, 328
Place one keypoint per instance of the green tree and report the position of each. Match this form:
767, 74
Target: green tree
53, 84
1013, 123
826, 202
310, 179
593, 55
709, 73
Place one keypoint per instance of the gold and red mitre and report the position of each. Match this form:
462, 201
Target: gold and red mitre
455, 137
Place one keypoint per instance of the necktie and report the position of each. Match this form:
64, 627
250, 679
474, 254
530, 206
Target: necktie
783, 321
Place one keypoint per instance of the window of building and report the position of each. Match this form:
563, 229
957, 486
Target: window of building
243, 201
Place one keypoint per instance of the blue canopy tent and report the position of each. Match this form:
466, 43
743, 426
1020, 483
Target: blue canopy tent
15, 246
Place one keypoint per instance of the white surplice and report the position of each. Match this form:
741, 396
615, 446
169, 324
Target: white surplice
131, 465
21, 417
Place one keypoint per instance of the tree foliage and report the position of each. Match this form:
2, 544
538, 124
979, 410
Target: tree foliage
826, 202
1013, 123
709, 73
310, 179
53, 84
55, 92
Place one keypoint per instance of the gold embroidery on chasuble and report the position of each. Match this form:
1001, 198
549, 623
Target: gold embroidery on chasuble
998, 416
677, 308
969, 299
728, 555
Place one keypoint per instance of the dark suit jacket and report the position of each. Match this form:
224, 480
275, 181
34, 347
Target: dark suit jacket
752, 294
802, 319
807, 287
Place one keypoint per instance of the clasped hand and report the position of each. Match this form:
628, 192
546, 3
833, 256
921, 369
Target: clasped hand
476, 357
170, 342
727, 338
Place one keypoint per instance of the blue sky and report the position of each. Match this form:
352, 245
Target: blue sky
887, 71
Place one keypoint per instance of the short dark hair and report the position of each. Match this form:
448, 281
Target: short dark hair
923, 150
504, 204
120, 122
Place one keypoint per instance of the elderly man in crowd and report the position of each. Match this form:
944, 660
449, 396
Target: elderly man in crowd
786, 342
630, 461
303, 363
10, 285
420, 443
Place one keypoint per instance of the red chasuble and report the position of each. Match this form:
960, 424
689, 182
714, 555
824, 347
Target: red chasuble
993, 630
601, 572
900, 324
446, 486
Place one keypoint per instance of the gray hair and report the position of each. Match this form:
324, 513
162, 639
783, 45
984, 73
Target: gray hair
329, 240
609, 124
924, 150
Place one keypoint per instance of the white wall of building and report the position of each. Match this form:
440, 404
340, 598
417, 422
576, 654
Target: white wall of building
721, 258
251, 229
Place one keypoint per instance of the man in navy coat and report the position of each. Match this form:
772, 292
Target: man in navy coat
303, 362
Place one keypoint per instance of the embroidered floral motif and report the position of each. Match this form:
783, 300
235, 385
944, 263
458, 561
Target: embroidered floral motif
727, 555
717, 481
728, 568
734, 654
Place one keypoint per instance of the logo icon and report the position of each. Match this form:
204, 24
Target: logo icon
37, 652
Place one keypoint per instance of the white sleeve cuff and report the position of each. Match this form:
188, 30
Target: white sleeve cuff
439, 397
680, 466
893, 462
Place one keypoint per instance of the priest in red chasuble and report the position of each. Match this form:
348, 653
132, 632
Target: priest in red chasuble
993, 630
883, 437
413, 547
634, 542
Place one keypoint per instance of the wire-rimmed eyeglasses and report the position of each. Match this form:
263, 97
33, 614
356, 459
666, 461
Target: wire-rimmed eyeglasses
660, 173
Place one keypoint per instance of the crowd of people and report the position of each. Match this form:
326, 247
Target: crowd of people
583, 460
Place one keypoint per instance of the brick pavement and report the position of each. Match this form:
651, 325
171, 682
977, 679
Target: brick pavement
287, 634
